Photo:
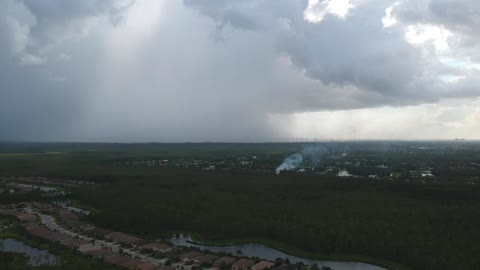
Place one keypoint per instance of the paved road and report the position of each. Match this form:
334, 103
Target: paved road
50, 223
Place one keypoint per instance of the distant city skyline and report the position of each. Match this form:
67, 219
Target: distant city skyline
239, 71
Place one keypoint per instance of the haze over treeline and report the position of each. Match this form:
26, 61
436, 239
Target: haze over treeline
243, 71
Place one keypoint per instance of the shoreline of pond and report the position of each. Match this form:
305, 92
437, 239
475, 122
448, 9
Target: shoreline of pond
275, 250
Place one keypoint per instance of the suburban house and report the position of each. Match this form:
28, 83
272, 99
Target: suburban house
47, 234
190, 256
82, 226
22, 216
139, 243
100, 253
26, 217
157, 247
30, 225
243, 264
66, 216
227, 261
117, 259
146, 266
87, 247
262, 265
286, 267
125, 239
73, 243
130, 264
206, 259
165, 268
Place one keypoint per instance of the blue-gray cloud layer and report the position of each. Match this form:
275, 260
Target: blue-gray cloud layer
211, 70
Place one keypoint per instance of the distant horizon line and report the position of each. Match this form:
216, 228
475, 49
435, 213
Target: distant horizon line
240, 142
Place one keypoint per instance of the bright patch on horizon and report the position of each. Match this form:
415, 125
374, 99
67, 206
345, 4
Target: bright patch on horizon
444, 120
317, 10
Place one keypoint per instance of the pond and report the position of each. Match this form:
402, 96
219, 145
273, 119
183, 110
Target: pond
66, 205
35, 256
267, 253
41, 188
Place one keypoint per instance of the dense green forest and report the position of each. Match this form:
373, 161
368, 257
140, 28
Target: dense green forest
423, 225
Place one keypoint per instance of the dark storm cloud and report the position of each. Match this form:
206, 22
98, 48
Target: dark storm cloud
54, 18
58, 21
357, 50
249, 14
42, 92
212, 70
461, 14
30, 105
341, 52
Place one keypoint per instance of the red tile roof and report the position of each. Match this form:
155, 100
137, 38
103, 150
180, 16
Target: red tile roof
262, 265
224, 260
243, 263
190, 255
157, 247
146, 266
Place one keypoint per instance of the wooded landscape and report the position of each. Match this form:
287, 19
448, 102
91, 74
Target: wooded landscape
424, 227
421, 225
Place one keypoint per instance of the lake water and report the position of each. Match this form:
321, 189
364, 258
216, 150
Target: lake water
66, 204
41, 188
36, 256
78, 210
267, 253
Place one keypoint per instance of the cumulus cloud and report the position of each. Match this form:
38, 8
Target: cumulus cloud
460, 19
227, 70
355, 51
317, 10
58, 20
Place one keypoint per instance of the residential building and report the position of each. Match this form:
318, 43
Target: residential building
243, 264
190, 256
206, 259
227, 261
157, 247
262, 265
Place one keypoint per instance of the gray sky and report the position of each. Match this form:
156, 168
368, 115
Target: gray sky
230, 70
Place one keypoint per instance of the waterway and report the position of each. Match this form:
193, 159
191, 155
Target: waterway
268, 253
41, 188
66, 205
35, 256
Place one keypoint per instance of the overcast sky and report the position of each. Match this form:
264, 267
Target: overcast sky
239, 70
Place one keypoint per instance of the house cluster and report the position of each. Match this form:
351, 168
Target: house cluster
198, 260
210, 164
32, 225
13, 189
122, 249
39, 180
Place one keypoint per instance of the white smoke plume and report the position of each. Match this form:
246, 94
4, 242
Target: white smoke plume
290, 163
313, 153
